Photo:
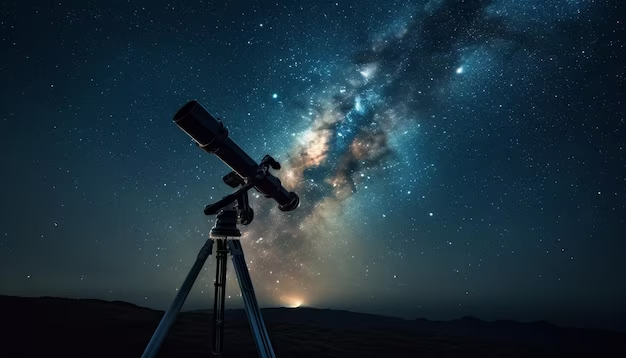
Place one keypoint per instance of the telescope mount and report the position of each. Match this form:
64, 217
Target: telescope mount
231, 210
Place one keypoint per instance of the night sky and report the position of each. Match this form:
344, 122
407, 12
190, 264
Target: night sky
452, 157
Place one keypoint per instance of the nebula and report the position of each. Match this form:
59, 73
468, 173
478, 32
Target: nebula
395, 84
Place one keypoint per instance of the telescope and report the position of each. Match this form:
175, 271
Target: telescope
210, 134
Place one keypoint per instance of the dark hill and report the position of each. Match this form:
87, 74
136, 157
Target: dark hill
92, 328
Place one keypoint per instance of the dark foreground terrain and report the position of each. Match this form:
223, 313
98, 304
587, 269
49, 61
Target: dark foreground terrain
59, 327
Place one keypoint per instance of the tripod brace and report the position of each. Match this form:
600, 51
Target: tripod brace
231, 210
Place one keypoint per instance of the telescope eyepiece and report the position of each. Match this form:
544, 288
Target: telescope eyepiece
293, 204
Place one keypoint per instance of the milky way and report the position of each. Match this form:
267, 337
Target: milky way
397, 81
452, 157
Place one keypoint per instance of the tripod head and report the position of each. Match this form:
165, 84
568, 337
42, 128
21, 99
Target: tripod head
245, 214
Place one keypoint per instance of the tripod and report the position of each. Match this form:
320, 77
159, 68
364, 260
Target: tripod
224, 234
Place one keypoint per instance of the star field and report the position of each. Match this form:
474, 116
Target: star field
452, 157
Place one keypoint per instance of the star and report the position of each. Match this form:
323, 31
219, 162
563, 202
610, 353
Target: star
445, 105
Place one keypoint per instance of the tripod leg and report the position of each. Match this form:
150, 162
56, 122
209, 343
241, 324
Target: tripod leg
257, 326
170, 315
220, 295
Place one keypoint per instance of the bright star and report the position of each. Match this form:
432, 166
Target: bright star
274, 95
459, 70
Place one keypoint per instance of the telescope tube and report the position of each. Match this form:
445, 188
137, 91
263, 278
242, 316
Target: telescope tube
211, 135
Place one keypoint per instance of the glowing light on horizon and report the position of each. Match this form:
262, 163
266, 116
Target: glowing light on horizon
292, 302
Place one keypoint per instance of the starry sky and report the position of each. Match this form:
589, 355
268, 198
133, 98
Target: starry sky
452, 157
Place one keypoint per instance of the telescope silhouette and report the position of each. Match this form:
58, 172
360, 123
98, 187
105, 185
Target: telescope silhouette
210, 134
